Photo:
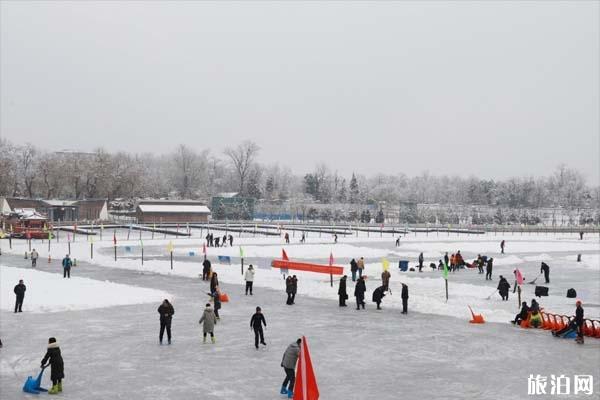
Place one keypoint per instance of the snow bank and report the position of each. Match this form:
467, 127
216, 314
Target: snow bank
51, 292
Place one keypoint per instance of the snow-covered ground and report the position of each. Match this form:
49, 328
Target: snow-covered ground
47, 292
432, 352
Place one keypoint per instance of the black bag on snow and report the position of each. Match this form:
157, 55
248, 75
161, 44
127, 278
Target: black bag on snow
541, 291
571, 293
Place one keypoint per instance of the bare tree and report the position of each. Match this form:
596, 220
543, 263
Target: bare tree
242, 158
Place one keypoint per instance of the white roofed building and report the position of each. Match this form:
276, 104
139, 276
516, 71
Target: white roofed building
171, 211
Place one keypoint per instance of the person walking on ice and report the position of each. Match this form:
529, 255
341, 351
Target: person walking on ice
488, 269
67, 264
19, 290
209, 321
56, 363
256, 324
545, 268
359, 293
502, 246
166, 312
503, 288
342, 293
249, 278
404, 296
288, 363
34, 257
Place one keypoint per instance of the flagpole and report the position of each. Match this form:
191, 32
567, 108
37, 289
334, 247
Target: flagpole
446, 289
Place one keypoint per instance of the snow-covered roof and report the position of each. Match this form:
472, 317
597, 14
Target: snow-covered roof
28, 213
173, 208
58, 203
227, 194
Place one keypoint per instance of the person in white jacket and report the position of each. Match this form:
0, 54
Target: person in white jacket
249, 277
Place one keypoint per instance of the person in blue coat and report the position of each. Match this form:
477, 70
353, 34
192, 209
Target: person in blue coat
67, 264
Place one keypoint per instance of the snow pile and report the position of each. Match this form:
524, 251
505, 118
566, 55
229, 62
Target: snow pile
51, 292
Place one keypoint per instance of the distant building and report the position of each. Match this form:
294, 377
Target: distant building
59, 210
232, 206
171, 211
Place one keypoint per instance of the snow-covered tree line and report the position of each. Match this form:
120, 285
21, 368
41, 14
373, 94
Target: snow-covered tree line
187, 173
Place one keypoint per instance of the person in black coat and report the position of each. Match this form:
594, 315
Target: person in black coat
353, 269
522, 315
214, 282
378, 295
166, 312
343, 295
503, 288
288, 290
57, 371
421, 259
488, 269
256, 323
546, 270
206, 265
359, 293
294, 288
20, 293
579, 321
404, 296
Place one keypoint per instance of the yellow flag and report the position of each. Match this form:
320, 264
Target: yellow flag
385, 263
170, 247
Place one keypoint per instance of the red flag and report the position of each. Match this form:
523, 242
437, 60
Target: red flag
115, 238
284, 255
330, 259
306, 383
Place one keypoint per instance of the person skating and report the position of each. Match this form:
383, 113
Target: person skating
303, 238
361, 266
342, 293
57, 369
581, 235
385, 279
503, 288
216, 297
166, 312
256, 323
206, 265
502, 246
34, 257
359, 292
398, 241
378, 295
404, 296
288, 363
216, 241
440, 265
214, 282
294, 288
287, 237
446, 259
208, 321
545, 268
522, 315
421, 259
230, 240
19, 290
224, 240
288, 290
208, 240
488, 269
335, 238
249, 278
353, 269
480, 263
67, 264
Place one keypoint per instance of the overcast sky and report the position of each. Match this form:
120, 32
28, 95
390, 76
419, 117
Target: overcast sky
490, 89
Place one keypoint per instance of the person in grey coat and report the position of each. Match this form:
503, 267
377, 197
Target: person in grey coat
210, 320
290, 357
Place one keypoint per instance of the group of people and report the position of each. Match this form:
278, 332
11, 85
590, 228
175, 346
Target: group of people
357, 268
212, 241
379, 293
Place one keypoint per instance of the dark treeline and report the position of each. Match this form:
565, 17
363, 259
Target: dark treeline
185, 173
